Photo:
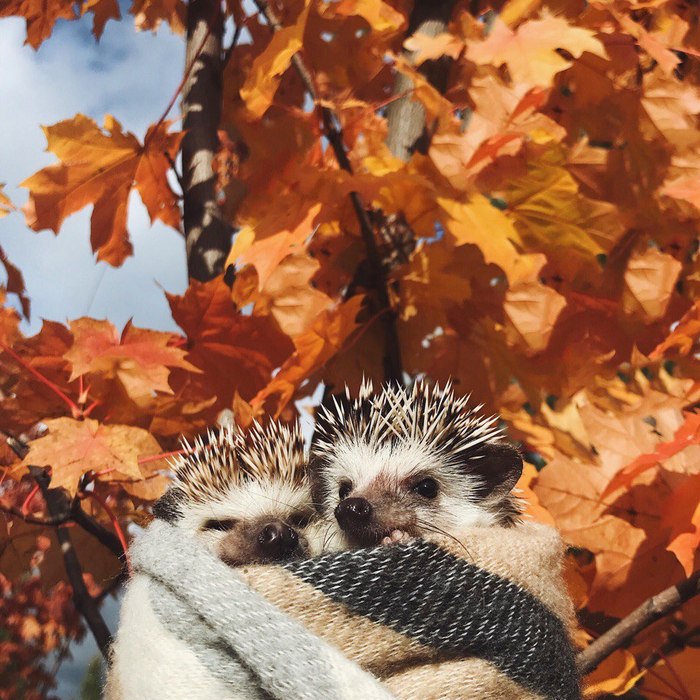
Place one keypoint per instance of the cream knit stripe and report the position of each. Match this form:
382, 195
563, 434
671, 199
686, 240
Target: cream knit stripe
289, 662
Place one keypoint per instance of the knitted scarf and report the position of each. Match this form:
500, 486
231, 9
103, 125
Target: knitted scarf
485, 618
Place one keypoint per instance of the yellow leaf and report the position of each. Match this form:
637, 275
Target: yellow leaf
478, 222
428, 48
530, 52
617, 674
259, 89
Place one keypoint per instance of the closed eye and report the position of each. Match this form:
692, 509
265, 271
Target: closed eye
223, 525
299, 520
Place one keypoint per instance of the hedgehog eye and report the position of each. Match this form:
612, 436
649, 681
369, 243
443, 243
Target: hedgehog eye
428, 488
219, 525
300, 520
344, 490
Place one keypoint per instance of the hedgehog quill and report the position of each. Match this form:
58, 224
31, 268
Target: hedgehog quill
405, 462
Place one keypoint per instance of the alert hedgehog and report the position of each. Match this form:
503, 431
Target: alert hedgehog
246, 494
403, 462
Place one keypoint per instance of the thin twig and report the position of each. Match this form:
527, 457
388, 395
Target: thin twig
647, 613
393, 367
84, 602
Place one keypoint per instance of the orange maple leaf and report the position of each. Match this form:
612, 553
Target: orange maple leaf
148, 14
6, 205
140, 358
40, 16
100, 169
530, 51
237, 352
683, 337
71, 448
266, 254
264, 79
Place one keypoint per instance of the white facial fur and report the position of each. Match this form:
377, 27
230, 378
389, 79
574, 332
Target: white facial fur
388, 471
249, 501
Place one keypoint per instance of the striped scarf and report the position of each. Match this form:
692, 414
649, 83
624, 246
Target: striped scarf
485, 618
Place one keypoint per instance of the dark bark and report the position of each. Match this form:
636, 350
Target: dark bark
84, 603
207, 235
647, 613
406, 117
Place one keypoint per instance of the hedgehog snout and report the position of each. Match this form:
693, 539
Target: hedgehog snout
354, 513
277, 540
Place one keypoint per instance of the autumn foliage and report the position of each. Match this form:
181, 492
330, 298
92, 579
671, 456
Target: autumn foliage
537, 246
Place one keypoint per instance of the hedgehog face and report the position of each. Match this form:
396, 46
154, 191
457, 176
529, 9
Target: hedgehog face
255, 522
411, 462
244, 495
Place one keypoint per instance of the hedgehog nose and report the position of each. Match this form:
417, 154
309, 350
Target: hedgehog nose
278, 540
353, 513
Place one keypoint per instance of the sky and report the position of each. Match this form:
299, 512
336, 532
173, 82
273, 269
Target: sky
131, 76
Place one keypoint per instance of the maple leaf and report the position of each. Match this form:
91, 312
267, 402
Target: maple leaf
530, 51
267, 253
429, 48
687, 434
140, 358
480, 223
40, 16
102, 10
551, 215
148, 14
101, 168
313, 349
650, 278
617, 674
381, 16
15, 283
682, 515
6, 205
71, 448
288, 294
267, 69
532, 308
236, 352
683, 337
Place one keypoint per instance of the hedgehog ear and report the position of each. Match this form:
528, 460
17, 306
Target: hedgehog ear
500, 468
167, 507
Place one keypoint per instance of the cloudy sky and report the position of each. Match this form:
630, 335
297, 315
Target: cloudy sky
132, 76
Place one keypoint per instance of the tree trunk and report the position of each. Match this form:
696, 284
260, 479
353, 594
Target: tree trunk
207, 235
406, 117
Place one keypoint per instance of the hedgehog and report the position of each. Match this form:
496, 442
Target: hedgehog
244, 494
246, 497
404, 462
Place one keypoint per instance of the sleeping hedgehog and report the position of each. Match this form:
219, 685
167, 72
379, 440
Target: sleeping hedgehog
404, 462
247, 498
246, 495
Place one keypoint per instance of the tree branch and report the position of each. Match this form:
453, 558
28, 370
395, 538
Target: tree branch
648, 612
393, 367
405, 116
84, 603
207, 235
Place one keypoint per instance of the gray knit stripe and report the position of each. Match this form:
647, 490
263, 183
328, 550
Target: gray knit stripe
289, 662
449, 604
189, 626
